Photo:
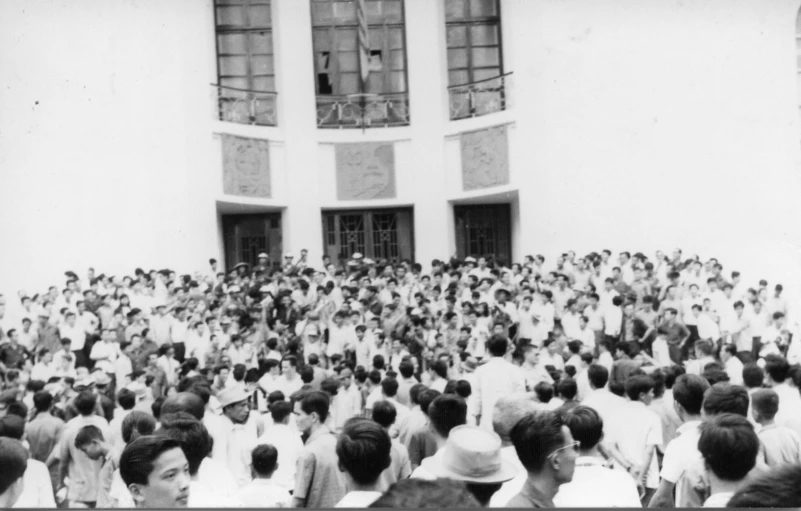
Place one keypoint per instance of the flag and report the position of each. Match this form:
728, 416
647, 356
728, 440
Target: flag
364, 42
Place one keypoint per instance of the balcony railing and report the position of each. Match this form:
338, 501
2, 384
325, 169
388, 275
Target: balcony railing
244, 106
363, 110
480, 98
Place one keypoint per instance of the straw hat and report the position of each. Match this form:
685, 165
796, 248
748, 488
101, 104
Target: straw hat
471, 454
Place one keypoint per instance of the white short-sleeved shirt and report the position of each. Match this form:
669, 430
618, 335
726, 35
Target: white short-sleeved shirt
642, 429
38, 491
595, 485
680, 453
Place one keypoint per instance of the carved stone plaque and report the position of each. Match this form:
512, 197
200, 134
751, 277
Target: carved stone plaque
365, 171
246, 166
485, 158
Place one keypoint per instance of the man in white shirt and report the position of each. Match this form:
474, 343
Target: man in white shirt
777, 375
161, 324
774, 337
38, 491
106, 352
75, 333
610, 407
243, 430
494, 379
594, 483
732, 364
681, 452
643, 434
288, 442
290, 381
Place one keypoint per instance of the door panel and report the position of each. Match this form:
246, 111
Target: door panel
376, 234
484, 230
246, 236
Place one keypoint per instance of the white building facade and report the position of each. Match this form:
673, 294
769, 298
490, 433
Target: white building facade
159, 133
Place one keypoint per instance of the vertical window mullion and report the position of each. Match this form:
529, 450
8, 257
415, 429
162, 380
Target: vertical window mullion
246, 35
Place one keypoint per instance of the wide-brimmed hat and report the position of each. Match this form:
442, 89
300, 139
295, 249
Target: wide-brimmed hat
231, 396
471, 454
469, 365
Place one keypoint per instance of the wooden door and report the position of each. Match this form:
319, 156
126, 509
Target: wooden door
246, 236
376, 234
484, 230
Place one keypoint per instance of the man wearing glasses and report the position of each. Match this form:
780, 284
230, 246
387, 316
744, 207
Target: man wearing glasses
548, 452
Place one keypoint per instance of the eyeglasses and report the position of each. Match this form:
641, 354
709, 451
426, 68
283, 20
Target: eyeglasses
572, 445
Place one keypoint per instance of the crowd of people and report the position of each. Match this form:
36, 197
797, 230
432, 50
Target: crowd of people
584, 382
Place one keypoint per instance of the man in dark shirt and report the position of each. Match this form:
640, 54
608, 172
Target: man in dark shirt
633, 329
13, 355
674, 333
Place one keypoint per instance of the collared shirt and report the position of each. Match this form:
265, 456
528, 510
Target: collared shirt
264, 493
400, 467
84, 473
679, 454
240, 439
38, 489
76, 334
318, 479
643, 431
513, 486
596, 485
495, 379
359, 499
734, 368
719, 500
289, 445
530, 496
105, 354
780, 445
611, 408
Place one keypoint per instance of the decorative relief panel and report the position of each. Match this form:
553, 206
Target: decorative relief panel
485, 158
246, 166
365, 171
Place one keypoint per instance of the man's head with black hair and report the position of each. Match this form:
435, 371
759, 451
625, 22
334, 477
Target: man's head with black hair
729, 446
725, 398
446, 412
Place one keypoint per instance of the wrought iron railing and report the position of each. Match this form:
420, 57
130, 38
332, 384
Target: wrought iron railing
244, 106
363, 110
480, 98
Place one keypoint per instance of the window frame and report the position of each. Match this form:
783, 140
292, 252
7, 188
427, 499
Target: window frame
245, 31
386, 72
468, 21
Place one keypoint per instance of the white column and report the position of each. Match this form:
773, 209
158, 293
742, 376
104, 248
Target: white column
292, 37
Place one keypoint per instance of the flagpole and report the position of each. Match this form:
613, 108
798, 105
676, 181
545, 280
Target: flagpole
364, 52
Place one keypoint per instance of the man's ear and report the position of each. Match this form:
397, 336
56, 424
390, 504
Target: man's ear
136, 492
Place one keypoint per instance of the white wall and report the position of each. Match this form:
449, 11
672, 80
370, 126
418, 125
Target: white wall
635, 126
661, 124
99, 137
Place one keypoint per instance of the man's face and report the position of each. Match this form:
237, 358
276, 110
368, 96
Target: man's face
566, 459
346, 378
669, 316
167, 485
303, 421
238, 412
286, 368
92, 450
647, 398
533, 356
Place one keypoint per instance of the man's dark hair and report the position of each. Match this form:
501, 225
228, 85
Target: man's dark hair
726, 398
598, 376
425, 399
126, 398
155, 407
766, 403
138, 459
137, 424
307, 374
729, 446
88, 434
364, 449
777, 488
14, 460
535, 437
497, 345
390, 387
17, 408
384, 413
753, 376
568, 389
264, 458
415, 391
192, 436
544, 391
420, 493
316, 401
188, 402
12, 426
279, 410
406, 368
671, 374
689, 391
446, 412
440, 368
777, 368
42, 400
463, 389
586, 426
85, 403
